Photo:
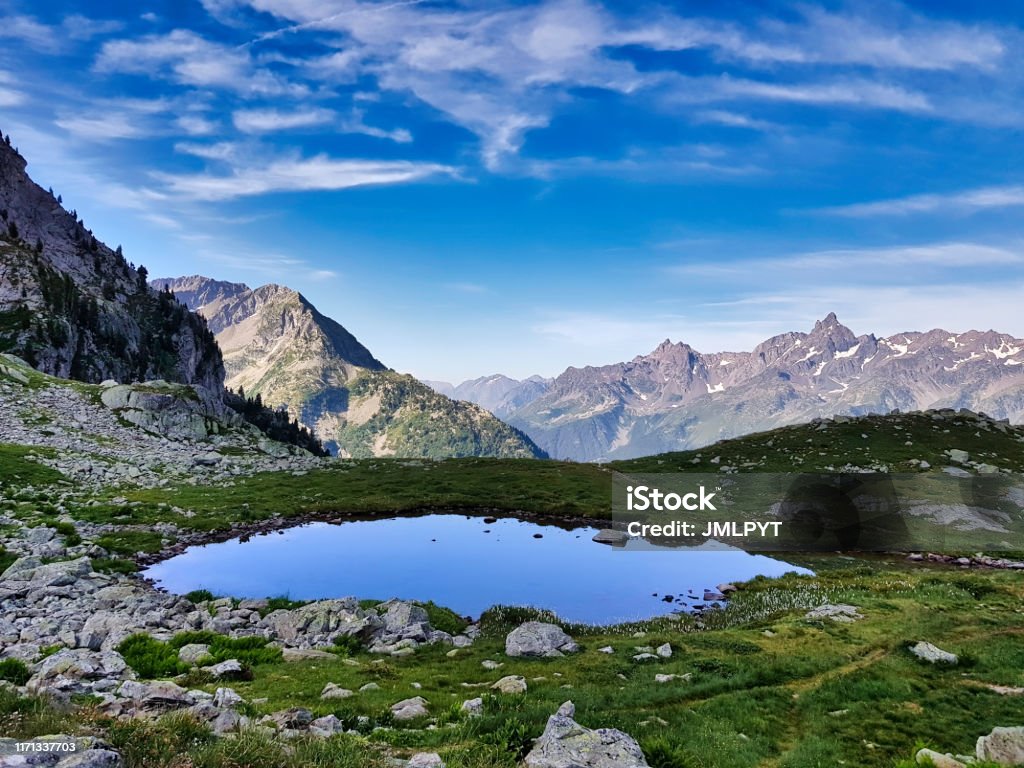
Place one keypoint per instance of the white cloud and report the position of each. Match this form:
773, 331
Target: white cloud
222, 150
79, 27
196, 125
29, 31
11, 98
270, 120
189, 59
289, 175
733, 120
103, 127
968, 201
855, 93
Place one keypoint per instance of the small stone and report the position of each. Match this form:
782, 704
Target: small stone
473, 707
335, 691
226, 698
410, 709
933, 654
665, 651
936, 759
425, 760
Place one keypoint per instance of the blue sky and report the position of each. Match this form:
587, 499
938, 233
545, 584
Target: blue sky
518, 187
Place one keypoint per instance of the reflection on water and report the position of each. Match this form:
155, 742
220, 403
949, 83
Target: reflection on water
464, 563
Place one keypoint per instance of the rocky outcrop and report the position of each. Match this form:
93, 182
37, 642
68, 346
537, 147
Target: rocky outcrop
535, 638
567, 744
173, 411
278, 345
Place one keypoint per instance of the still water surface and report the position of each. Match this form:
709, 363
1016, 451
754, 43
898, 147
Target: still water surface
464, 563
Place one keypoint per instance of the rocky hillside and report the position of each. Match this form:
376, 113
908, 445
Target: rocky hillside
278, 346
677, 398
75, 308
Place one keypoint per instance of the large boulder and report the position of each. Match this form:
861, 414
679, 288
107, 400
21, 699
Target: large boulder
104, 630
1004, 746
567, 744
79, 671
174, 410
535, 638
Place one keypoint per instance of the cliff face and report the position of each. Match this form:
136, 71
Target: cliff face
75, 308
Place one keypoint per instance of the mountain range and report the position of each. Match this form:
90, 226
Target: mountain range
677, 398
277, 345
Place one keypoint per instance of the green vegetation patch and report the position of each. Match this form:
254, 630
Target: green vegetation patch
152, 658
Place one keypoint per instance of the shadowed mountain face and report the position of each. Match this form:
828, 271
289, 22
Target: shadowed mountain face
676, 397
75, 308
277, 345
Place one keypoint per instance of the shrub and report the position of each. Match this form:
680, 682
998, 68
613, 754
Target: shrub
199, 596
444, 619
512, 736
14, 671
347, 645
150, 658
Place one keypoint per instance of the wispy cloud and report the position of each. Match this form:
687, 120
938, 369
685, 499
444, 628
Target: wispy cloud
964, 202
291, 175
190, 59
945, 255
270, 120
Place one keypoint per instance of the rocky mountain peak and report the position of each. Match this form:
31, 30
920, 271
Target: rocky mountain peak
75, 308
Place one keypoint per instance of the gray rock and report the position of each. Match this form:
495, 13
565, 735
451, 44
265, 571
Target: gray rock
959, 456
473, 707
227, 721
292, 719
510, 684
611, 536
158, 696
335, 691
841, 613
933, 654
226, 698
535, 638
665, 651
78, 671
326, 726
425, 760
193, 653
1003, 746
227, 668
567, 744
410, 709
937, 759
